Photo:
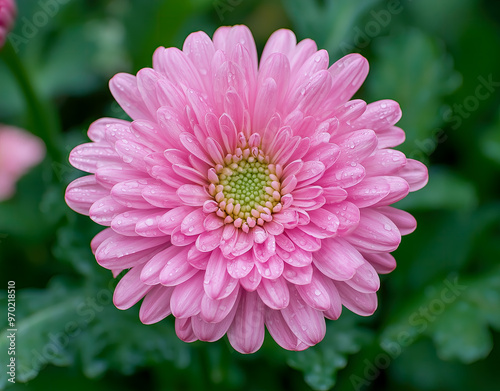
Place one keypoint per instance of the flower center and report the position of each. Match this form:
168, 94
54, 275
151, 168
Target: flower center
246, 188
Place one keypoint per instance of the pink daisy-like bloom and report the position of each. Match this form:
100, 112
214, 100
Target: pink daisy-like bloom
19, 151
8, 11
246, 195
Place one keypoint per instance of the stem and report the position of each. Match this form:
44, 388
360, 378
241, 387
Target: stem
42, 121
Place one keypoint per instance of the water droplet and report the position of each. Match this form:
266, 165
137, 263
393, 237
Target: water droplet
387, 227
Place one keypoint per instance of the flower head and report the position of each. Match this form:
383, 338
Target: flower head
8, 11
19, 151
246, 195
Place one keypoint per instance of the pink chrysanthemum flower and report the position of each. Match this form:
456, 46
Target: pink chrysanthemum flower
19, 151
8, 11
245, 195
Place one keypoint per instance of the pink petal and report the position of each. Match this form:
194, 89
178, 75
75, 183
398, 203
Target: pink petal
171, 124
156, 305
369, 191
214, 311
315, 63
218, 283
383, 263
211, 332
326, 153
192, 224
303, 51
365, 280
177, 67
193, 195
303, 240
108, 176
184, 330
298, 257
179, 239
284, 243
147, 226
197, 259
105, 210
99, 128
124, 223
357, 145
190, 174
147, 79
378, 115
415, 173
124, 89
298, 275
151, 271
100, 238
186, 298
209, 240
130, 289
251, 281
83, 192
405, 222
281, 41
274, 293
348, 74
118, 246
88, 157
336, 302
246, 333
161, 196
315, 294
130, 260
264, 251
212, 222
177, 270
399, 189
239, 267
343, 175
338, 259
305, 322
173, 218
266, 103
390, 137
243, 244
375, 233
199, 48
363, 304
348, 215
384, 162
311, 171
281, 333
129, 193
334, 194
272, 268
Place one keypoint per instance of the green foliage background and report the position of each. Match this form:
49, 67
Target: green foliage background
431, 56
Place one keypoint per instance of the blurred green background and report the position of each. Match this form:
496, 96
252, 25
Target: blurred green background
438, 322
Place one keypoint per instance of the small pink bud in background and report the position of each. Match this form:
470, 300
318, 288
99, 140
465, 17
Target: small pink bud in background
8, 11
19, 151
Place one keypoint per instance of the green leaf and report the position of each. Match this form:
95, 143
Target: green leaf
446, 190
412, 69
490, 141
331, 25
321, 363
40, 314
455, 313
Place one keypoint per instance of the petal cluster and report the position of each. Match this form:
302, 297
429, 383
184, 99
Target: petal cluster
245, 194
19, 151
8, 11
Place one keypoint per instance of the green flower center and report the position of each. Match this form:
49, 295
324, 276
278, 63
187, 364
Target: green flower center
247, 189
